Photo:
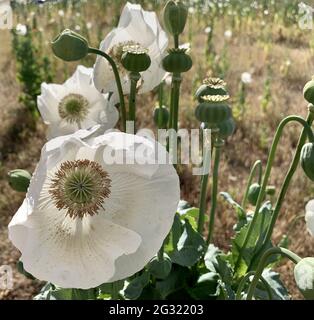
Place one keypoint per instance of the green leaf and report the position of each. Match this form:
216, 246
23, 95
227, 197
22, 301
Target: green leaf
239, 210
190, 247
255, 241
278, 290
160, 269
175, 234
191, 215
136, 286
304, 277
105, 290
206, 287
210, 258
150, 293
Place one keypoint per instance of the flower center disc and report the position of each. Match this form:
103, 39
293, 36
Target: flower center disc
73, 108
80, 187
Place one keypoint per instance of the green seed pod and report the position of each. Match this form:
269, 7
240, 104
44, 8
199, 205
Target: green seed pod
213, 110
253, 194
175, 17
304, 277
211, 87
307, 160
161, 117
70, 46
135, 58
308, 91
19, 180
226, 128
177, 61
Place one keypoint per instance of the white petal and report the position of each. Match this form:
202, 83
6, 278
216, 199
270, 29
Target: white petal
309, 218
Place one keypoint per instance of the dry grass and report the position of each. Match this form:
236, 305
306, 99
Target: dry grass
20, 148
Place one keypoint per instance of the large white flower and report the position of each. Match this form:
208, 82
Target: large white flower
136, 26
74, 105
309, 217
87, 219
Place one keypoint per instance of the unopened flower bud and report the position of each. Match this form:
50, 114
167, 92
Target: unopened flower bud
253, 194
304, 277
175, 17
307, 160
70, 46
135, 58
308, 91
19, 180
177, 61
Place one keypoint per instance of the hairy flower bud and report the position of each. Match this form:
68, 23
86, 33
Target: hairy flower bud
308, 91
19, 180
175, 17
253, 194
304, 277
70, 46
307, 160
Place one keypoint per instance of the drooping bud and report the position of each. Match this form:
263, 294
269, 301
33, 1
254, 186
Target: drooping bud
177, 61
308, 91
175, 17
161, 117
253, 194
211, 87
70, 46
307, 160
135, 58
213, 110
19, 180
304, 277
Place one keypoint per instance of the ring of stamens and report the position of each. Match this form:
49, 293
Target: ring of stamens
73, 108
80, 187
215, 83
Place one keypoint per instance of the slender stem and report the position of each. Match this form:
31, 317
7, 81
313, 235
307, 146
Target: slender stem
263, 263
176, 41
161, 94
134, 77
287, 181
217, 148
256, 167
118, 82
244, 281
284, 122
176, 83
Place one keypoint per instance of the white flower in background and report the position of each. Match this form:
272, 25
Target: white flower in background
266, 12
75, 104
228, 34
61, 13
21, 29
77, 28
246, 78
208, 30
191, 10
86, 220
309, 217
89, 25
78, 14
136, 26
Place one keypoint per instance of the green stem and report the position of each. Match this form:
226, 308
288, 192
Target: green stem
256, 167
284, 122
118, 82
176, 41
176, 83
134, 77
217, 147
287, 180
263, 263
244, 281
115, 291
161, 94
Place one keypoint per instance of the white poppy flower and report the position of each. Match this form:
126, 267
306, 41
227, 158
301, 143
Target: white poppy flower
309, 217
21, 29
87, 219
74, 105
136, 26
246, 78
228, 34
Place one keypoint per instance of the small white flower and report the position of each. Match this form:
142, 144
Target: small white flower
309, 217
78, 14
246, 78
191, 10
77, 28
136, 26
75, 104
266, 12
228, 34
61, 13
88, 221
21, 29
208, 30
89, 25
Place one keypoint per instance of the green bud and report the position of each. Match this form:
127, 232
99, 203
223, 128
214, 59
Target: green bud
161, 117
175, 17
211, 87
135, 58
70, 46
304, 277
160, 269
271, 190
253, 194
19, 180
213, 110
226, 128
307, 160
308, 91
177, 61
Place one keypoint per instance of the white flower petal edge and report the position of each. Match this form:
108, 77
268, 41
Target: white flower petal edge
139, 26
309, 217
128, 229
99, 109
